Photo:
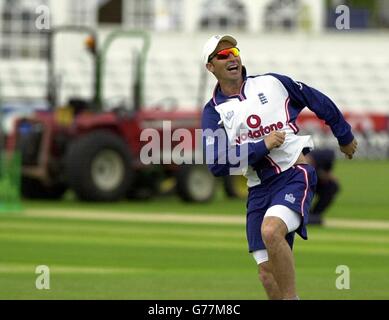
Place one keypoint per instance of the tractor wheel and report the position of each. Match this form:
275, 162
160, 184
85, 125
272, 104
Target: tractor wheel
195, 183
98, 167
35, 189
235, 186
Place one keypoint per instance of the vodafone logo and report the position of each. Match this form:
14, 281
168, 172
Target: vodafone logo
253, 121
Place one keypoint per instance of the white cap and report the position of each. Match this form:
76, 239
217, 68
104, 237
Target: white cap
212, 43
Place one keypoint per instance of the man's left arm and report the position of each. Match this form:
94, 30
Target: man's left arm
324, 108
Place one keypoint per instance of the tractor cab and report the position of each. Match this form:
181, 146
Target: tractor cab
89, 138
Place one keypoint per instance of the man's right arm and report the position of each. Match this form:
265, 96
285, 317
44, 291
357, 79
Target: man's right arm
220, 156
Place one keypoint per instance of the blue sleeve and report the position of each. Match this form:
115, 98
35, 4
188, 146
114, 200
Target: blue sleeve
217, 150
320, 104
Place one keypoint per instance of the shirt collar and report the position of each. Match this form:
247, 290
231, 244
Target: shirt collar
219, 97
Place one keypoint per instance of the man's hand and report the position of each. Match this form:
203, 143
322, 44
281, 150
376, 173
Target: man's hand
349, 149
274, 139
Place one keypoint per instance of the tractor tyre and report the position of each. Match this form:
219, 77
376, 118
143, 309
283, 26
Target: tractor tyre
235, 186
35, 189
195, 183
98, 166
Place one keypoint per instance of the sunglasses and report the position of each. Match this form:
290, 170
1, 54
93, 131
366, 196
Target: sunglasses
225, 53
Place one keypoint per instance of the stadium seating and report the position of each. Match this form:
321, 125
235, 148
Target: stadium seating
353, 69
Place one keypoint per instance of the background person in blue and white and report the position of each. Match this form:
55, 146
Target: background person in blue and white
259, 113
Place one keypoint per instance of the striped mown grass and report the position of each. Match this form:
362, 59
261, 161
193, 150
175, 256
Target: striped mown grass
108, 259
166, 249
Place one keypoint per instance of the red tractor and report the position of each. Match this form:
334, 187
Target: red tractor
96, 153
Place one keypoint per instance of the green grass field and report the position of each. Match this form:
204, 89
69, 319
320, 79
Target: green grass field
110, 251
